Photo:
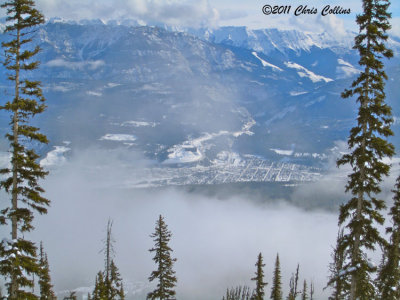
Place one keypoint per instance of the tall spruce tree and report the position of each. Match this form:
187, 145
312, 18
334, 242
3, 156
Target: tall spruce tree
388, 281
164, 273
368, 146
21, 181
46, 288
259, 279
276, 290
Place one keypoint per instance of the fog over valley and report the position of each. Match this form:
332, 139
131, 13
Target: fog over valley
227, 136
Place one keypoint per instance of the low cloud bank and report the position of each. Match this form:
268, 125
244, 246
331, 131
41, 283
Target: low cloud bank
216, 241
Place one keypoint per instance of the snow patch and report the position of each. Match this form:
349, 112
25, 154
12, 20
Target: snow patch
118, 137
75, 65
230, 158
313, 155
194, 149
55, 157
191, 150
112, 85
267, 64
93, 93
282, 152
139, 124
345, 63
245, 129
303, 72
60, 88
184, 154
346, 69
294, 93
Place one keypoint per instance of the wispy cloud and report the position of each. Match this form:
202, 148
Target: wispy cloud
172, 12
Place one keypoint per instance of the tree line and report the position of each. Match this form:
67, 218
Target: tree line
258, 293
353, 274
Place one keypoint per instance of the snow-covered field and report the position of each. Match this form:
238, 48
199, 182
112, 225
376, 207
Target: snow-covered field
193, 150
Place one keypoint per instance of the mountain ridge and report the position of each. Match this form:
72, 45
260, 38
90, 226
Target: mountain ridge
182, 100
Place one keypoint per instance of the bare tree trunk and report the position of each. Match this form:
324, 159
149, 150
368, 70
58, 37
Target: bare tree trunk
108, 260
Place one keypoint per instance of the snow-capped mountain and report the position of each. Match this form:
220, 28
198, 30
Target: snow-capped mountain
270, 40
197, 97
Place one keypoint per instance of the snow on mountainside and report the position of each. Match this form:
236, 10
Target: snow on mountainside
194, 149
284, 41
346, 69
271, 39
303, 72
267, 64
184, 98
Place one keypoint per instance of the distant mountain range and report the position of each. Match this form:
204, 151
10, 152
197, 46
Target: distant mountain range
201, 98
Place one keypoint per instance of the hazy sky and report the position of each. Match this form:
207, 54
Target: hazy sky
212, 12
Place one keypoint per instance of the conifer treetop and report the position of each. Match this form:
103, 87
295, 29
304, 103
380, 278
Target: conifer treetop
21, 180
162, 257
276, 289
259, 279
368, 146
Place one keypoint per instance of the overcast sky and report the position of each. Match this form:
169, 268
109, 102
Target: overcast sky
212, 13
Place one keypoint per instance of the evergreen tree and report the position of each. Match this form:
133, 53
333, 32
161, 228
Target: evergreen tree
388, 281
339, 279
368, 146
294, 280
100, 290
311, 291
276, 290
259, 279
19, 255
239, 293
164, 273
108, 284
115, 287
121, 293
46, 288
304, 295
